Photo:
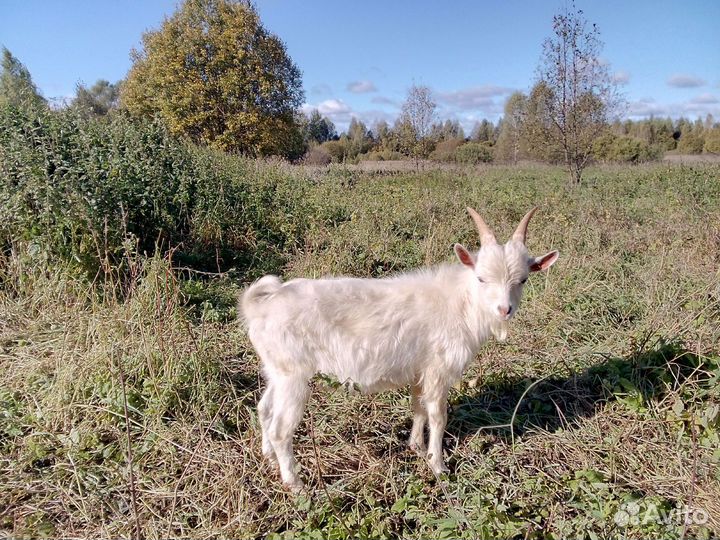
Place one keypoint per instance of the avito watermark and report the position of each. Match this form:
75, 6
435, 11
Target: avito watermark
632, 513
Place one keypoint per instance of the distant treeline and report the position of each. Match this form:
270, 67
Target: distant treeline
509, 141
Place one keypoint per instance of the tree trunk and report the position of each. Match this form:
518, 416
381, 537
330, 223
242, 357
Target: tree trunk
575, 174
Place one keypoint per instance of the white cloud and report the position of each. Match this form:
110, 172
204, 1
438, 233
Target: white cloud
705, 99
621, 77
467, 105
478, 97
361, 87
334, 106
382, 100
697, 107
694, 108
645, 107
468, 121
681, 80
335, 109
340, 113
371, 117
473, 104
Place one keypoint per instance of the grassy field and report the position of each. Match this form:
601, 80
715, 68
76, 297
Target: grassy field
128, 400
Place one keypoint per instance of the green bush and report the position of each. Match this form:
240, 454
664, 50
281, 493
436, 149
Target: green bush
77, 188
337, 149
690, 143
316, 156
445, 151
610, 148
473, 153
382, 155
712, 141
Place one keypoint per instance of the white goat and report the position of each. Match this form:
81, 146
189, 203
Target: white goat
419, 329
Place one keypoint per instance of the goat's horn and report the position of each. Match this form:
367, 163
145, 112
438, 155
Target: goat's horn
486, 235
521, 232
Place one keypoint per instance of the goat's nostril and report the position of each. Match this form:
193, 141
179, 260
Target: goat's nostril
505, 310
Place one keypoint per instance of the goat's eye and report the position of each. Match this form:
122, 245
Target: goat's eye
522, 281
481, 280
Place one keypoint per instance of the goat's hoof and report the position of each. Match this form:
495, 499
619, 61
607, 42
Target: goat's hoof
419, 449
268, 451
295, 486
439, 468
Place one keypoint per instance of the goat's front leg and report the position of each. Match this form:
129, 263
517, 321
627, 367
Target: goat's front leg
417, 435
436, 404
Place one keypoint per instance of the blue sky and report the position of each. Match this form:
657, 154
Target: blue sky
359, 58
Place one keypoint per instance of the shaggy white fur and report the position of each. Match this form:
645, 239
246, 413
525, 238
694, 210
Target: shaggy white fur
420, 329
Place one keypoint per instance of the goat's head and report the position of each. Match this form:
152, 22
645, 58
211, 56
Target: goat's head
502, 269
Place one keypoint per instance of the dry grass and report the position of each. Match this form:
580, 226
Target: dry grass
690, 159
620, 339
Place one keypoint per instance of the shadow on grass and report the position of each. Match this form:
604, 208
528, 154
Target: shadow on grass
649, 373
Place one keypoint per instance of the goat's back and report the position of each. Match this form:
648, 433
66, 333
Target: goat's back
379, 333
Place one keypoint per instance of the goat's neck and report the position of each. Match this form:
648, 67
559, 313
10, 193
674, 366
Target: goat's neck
479, 325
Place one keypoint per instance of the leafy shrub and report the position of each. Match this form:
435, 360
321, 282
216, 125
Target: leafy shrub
382, 155
317, 156
611, 148
336, 149
77, 188
690, 143
712, 141
445, 151
603, 146
473, 153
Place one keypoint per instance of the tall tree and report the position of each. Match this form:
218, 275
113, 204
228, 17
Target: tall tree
415, 122
16, 85
538, 125
215, 74
386, 137
579, 94
508, 147
483, 131
359, 140
99, 99
319, 128
709, 122
448, 130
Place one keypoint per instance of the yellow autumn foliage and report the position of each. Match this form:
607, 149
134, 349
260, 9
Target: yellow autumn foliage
213, 73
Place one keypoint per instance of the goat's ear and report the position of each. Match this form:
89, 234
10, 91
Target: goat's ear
544, 262
465, 256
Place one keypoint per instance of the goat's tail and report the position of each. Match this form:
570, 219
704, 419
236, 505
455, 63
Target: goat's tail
256, 294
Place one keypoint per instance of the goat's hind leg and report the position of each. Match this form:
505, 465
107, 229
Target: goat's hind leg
265, 414
289, 396
417, 434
